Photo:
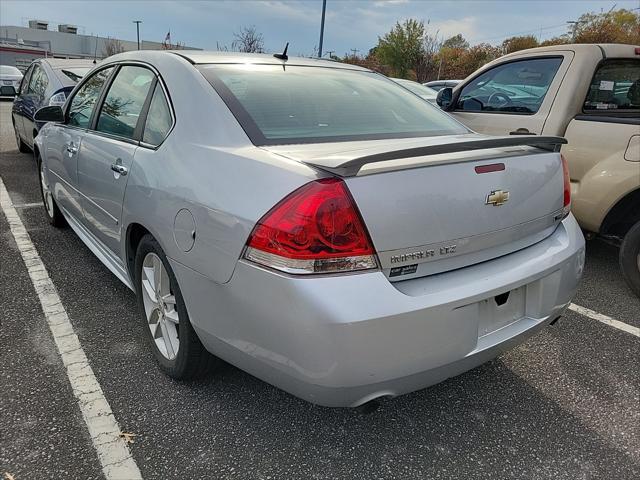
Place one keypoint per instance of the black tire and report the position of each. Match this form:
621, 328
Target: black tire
22, 147
630, 258
53, 214
192, 359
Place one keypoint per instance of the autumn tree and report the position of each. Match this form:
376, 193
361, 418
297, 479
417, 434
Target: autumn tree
514, 44
616, 26
248, 40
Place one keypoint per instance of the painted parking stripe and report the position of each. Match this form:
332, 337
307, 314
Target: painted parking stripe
113, 452
612, 322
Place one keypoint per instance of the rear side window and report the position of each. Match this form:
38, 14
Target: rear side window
124, 101
85, 99
514, 87
305, 104
615, 88
159, 119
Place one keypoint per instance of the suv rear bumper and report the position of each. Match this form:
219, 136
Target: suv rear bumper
344, 340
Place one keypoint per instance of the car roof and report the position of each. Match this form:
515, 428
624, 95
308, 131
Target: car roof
608, 49
199, 57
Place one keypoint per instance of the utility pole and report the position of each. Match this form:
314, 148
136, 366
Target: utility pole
354, 50
324, 9
138, 22
330, 53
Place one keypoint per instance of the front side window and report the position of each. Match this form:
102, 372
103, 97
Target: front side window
300, 104
84, 101
159, 119
39, 82
615, 88
515, 87
124, 101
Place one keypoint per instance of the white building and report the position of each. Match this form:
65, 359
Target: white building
20, 45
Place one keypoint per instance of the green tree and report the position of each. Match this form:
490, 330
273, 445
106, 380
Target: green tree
403, 47
457, 41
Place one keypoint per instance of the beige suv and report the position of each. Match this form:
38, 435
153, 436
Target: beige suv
589, 94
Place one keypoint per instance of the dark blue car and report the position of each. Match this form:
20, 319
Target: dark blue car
47, 81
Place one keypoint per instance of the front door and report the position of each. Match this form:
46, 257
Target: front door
513, 97
107, 152
65, 142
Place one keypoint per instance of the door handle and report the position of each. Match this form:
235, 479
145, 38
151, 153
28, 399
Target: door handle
121, 169
521, 131
72, 148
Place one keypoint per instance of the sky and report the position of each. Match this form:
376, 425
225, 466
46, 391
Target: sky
350, 24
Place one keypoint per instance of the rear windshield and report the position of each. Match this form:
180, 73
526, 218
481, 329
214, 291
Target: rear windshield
297, 104
73, 75
9, 70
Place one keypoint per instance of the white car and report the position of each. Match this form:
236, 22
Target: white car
10, 77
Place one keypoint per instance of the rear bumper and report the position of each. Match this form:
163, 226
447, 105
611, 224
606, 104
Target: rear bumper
344, 340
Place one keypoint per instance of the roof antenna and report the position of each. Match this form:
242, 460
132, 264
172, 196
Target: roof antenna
283, 55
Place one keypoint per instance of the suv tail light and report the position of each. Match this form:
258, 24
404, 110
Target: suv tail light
58, 99
567, 187
316, 229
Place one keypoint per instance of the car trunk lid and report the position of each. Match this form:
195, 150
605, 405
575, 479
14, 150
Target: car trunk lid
437, 204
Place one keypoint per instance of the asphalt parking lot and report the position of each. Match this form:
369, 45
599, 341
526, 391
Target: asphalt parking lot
564, 405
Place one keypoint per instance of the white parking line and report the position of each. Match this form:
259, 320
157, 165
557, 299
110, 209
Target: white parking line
612, 322
112, 449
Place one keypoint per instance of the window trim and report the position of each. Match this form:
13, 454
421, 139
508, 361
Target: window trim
606, 113
514, 60
105, 88
257, 138
26, 77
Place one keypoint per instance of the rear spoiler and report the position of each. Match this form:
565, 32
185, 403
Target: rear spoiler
351, 167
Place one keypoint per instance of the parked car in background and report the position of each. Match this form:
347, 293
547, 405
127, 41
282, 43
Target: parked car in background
426, 93
9, 77
589, 94
438, 85
318, 225
47, 81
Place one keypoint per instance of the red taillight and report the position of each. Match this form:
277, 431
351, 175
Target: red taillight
316, 229
567, 186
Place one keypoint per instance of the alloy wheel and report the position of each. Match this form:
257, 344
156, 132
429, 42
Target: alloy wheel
47, 198
160, 306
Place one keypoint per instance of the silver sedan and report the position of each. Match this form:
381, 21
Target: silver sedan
310, 222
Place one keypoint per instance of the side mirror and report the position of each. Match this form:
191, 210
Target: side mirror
444, 98
7, 91
52, 113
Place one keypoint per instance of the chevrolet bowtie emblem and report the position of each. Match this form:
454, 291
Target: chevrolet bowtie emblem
497, 198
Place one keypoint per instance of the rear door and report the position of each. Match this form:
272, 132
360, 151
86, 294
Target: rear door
107, 151
514, 96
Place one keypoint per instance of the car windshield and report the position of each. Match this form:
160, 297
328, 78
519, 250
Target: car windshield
9, 70
74, 73
299, 104
417, 88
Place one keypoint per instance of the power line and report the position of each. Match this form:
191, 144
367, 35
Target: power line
550, 27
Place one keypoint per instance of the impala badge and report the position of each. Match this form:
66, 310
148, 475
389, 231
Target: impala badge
497, 198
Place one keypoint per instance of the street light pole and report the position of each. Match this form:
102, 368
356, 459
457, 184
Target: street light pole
138, 22
324, 9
